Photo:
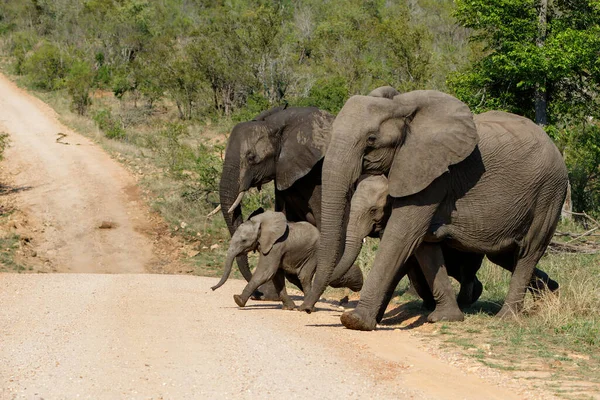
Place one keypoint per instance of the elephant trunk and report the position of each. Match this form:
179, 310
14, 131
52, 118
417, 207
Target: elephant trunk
351, 252
341, 169
227, 271
229, 193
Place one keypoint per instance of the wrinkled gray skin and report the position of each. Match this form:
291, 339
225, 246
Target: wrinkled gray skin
370, 210
490, 184
286, 249
285, 145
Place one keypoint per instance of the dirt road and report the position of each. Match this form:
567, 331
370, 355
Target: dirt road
143, 336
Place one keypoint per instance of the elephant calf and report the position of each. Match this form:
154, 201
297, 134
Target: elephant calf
287, 249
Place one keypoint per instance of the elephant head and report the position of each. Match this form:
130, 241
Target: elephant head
280, 144
260, 233
412, 138
369, 212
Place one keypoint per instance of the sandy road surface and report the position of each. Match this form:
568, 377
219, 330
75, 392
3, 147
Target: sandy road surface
70, 189
142, 336
170, 337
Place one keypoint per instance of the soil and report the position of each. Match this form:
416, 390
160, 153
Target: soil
108, 323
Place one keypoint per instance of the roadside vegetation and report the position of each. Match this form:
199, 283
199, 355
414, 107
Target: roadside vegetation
160, 83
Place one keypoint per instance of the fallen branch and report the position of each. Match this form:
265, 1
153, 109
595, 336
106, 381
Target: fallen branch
583, 234
558, 247
583, 214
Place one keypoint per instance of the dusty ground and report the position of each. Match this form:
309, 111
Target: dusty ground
89, 334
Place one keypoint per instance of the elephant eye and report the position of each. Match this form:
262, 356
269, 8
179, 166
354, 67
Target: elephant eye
251, 157
371, 139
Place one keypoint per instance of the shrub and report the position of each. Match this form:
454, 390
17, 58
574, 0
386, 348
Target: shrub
111, 126
19, 45
328, 94
46, 67
79, 82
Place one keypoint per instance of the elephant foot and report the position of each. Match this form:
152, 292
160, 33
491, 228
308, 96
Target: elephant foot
238, 300
354, 320
552, 285
306, 307
448, 315
507, 312
289, 307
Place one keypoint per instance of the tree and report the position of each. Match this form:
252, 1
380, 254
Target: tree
540, 59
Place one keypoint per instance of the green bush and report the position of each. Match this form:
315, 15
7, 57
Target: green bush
581, 149
19, 45
111, 126
327, 94
255, 104
46, 67
79, 82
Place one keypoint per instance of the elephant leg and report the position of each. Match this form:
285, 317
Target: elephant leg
279, 282
432, 263
406, 227
419, 283
266, 292
410, 265
265, 271
540, 282
467, 266
519, 282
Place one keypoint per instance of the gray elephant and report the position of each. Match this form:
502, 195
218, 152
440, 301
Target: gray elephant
287, 249
489, 184
370, 209
282, 144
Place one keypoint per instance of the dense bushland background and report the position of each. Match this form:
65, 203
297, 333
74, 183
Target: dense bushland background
188, 62
160, 83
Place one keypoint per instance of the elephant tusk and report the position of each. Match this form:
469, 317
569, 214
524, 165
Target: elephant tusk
237, 202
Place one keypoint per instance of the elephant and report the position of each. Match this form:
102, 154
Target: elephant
370, 209
286, 249
286, 145
490, 184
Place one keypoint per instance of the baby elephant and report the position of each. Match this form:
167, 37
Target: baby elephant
287, 249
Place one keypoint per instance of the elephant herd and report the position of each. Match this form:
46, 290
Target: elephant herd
441, 187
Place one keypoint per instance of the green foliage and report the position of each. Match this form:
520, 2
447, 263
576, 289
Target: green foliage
327, 94
111, 126
523, 58
46, 67
79, 81
581, 149
19, 45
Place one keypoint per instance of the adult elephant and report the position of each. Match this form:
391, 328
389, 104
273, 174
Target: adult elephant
370, 210
282, 144
490, 184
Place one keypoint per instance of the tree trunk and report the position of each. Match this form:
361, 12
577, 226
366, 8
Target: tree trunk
541, 106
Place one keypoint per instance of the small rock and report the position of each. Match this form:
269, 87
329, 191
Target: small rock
107, 225
214, 246
183, 225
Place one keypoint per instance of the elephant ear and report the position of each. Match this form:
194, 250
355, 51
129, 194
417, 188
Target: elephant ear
273, 226
439, 132
387, 92
256, 212
303, 145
